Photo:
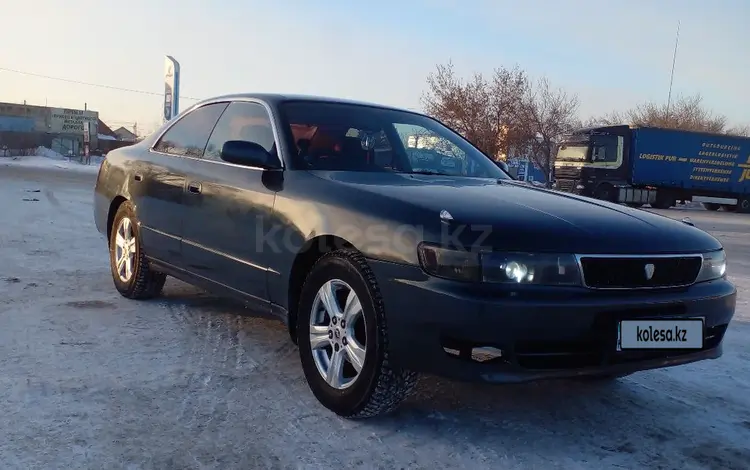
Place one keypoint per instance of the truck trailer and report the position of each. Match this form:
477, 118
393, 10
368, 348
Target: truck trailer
648, 165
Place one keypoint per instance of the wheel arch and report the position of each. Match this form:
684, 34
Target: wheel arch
113, 207
305, 259
605, 187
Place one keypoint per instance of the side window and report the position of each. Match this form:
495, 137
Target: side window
188, 136
606, 149
241, 121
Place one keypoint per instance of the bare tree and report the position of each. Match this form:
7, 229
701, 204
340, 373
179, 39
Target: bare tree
686, 113
546, 115
743, 131
485, 111
614, 118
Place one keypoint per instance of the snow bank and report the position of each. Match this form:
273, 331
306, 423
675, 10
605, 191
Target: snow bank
52, 162
49, 153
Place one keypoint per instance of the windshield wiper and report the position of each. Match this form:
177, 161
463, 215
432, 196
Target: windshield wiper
428, 172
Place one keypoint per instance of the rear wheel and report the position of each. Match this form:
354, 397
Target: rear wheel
131, 272
343, 339
663, 201
710, 206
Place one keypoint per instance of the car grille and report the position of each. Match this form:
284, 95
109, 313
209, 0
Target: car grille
566, 178
567, 172
631, 272
566, 185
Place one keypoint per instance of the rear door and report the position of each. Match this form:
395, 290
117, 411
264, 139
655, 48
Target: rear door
159, 180
230, 207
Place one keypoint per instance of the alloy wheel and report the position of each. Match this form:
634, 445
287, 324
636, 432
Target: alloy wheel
125, 250
338, 336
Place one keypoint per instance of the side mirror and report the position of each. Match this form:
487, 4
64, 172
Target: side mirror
503, 166
245, 153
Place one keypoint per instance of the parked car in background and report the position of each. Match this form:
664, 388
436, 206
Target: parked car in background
322, 212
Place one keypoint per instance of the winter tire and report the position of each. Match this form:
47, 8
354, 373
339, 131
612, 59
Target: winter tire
130, 268
343, 339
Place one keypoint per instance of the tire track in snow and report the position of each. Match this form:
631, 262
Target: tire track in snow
223, 357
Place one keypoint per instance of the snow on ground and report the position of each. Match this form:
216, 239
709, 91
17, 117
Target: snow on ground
89, 379
47, 158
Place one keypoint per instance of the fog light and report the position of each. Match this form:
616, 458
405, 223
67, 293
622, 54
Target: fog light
485, 354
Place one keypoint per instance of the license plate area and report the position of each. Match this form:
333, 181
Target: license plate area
660, 334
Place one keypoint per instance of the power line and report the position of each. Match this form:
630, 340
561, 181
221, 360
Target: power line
78, 82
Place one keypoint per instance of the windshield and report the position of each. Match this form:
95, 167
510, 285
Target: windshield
349, 137
572, 153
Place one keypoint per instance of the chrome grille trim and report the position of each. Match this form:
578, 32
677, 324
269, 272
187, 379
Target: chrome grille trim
645, 257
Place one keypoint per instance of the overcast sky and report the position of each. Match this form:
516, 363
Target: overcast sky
612, 54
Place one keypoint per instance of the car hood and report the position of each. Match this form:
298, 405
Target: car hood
528, 218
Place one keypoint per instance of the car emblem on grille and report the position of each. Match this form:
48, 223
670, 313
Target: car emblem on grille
445, 216
649, 268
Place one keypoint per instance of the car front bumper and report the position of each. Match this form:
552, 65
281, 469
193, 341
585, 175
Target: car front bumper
434, 325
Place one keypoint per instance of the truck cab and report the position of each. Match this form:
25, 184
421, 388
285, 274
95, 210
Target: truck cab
593, 162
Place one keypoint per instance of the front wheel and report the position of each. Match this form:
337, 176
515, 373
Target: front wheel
131, 270
605, 192
343, 339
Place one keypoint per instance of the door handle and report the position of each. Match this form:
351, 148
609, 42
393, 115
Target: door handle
138, 177
194, 188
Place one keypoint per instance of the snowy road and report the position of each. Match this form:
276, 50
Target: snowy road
91, 380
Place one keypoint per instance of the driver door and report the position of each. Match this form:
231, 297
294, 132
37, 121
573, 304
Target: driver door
231, 207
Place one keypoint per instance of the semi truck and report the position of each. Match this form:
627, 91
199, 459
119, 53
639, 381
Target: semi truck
656, 166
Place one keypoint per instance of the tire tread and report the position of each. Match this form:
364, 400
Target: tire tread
393, 385
148, 283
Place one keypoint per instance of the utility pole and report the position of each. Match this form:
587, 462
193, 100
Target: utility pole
674, 60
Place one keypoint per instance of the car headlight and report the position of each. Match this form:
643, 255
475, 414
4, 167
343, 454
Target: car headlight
500, 267
714, 266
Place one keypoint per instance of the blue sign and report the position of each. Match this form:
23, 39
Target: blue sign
171, 88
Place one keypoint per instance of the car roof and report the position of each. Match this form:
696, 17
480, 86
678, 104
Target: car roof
275, 99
